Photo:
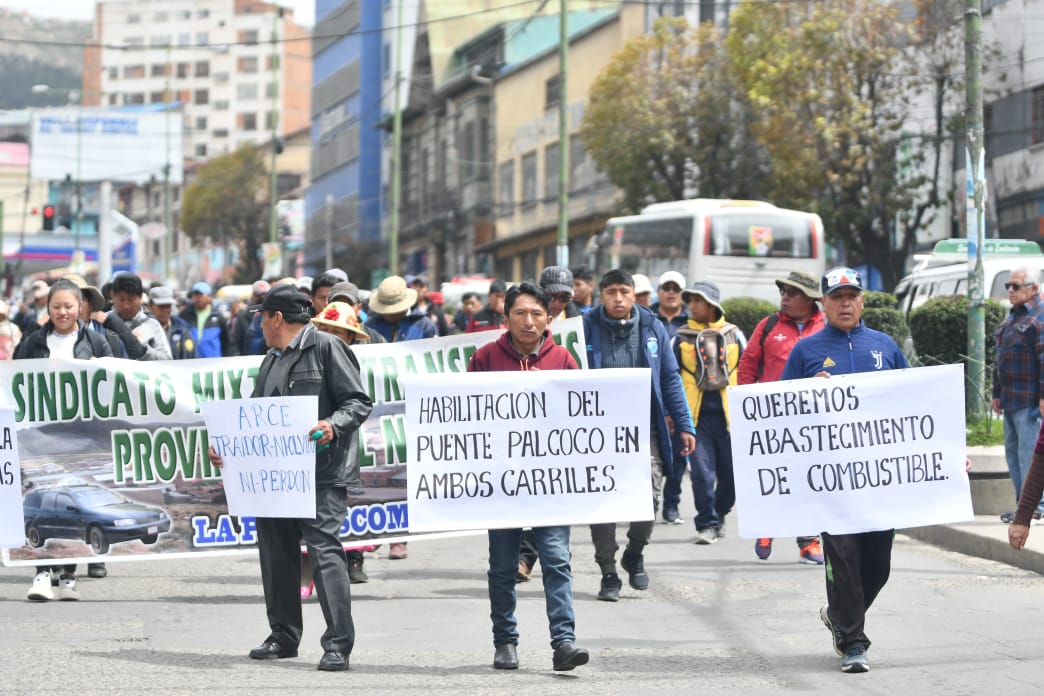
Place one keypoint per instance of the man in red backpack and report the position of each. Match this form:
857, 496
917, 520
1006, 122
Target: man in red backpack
766, 354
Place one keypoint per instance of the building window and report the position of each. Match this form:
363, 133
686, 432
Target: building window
184, 14
184, 40
507, 187
551, 172
134, 98
133, 71
201, 96
1038, 115
157, 97
247, 122
158, 70
202, 69
221, 78
201, 150
183, 70
134, 18
114, 73
484, 166
160, 40
467, 152
529, 180
707, 11
248, 37
220, 133
160, 17
201, 123
220, 105
246, 91
248, 64
577, 159
134, 41
271, 120
270, 90
552, 92
202, 39
203, 14
114, 99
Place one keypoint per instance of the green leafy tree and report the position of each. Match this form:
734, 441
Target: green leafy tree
666, 121
227, 203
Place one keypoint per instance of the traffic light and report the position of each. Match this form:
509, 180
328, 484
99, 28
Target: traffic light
48, 217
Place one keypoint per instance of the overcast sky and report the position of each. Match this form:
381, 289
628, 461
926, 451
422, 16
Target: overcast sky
304, 10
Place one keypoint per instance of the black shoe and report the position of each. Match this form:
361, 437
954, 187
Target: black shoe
671, 516
271, 650
610, 591
634, 564
356, 573
505, 657
333, 661
568, 656
96, 570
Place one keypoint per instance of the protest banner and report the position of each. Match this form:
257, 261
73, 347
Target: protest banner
12, 526
850, 453
498, 450
268, 459
135, 429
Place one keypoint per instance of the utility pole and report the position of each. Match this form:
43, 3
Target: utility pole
396, 172
562, 255
273, 193
168, 230
975, 160
329, 215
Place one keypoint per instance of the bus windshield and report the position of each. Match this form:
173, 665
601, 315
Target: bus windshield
651, 246
760, 234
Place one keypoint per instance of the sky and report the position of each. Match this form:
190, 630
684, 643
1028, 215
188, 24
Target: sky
304, 10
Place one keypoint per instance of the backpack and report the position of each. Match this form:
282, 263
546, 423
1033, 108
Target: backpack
709, 347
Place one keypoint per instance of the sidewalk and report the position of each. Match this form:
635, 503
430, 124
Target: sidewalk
986, 536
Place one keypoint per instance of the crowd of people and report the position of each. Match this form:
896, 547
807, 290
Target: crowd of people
306, 326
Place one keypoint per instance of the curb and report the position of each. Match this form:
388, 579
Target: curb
972, 544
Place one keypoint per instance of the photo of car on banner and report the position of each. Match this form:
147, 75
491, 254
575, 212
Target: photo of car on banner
114, 453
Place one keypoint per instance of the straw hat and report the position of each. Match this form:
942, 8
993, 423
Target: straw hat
342, 316
392, 296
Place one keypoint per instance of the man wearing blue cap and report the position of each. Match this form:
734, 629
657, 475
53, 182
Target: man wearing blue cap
209, 328
857, 565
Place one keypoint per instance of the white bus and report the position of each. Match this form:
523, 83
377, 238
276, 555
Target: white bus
743, 246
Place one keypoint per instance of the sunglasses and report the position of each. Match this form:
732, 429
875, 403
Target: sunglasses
1017, 286
789, 292
670, 287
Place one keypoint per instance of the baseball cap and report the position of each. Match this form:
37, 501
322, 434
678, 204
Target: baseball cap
161, 295
556, 279
642, 284
841, 277
672, 277
287, 299
202, 287
345, 290
419, 280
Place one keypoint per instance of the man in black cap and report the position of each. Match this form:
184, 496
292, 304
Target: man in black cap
297, 354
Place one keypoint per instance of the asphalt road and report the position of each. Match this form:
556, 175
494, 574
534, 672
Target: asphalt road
715, 619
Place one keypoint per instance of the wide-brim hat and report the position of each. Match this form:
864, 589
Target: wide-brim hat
392, 296
805, 282
708, 291
341, 315
89, 292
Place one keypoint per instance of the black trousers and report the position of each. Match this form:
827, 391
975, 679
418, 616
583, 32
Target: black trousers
278, 543
857, 567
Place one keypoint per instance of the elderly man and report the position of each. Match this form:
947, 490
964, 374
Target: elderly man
1017, 389
857, 565
297, 354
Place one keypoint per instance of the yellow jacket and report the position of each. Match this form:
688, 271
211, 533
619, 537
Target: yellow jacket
686, 354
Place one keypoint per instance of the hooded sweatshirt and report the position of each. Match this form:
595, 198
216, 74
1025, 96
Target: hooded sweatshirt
502, 356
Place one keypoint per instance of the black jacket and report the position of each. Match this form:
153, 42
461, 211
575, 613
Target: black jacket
89, 344
323, 365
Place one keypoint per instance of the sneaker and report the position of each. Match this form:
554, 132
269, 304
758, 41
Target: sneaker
707, 536
397, 551
671, 516
855, 661
1007, 517
721, 526
356, 573
610, 590
812, 553
634, 564
522, 574
41, 591
67, 589
96, 570
763, 548
835, 635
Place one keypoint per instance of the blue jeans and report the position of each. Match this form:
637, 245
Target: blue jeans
710, 468
1021, 427
552, 545
672, 484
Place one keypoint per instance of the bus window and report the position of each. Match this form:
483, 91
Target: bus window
652, 247
922, 293
758, 234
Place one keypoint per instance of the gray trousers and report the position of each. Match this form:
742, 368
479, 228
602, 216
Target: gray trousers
278, 543
603, 536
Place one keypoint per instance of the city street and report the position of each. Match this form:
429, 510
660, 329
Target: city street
714, 619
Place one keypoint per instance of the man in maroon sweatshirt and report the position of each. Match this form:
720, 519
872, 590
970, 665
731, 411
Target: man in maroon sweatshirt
527, 345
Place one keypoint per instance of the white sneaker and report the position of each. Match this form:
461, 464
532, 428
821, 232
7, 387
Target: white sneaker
41, 590
67, 590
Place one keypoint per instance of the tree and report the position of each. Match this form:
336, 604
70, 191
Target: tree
228, 202
831, 85
665, 120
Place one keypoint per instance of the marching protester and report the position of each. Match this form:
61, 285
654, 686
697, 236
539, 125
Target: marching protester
209, 328
127, 292
321, 285
10, 334
346, 291
857, 565
492, 315
33, 315
297, 353
63, 336
557, 282
527, 345
642, 290
470, 304
619, 334
178, 332
766, 354
427, 304
583, 289
246, 325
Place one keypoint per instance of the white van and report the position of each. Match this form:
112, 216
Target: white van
945, 270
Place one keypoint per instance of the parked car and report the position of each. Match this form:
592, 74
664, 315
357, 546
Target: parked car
99, 516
